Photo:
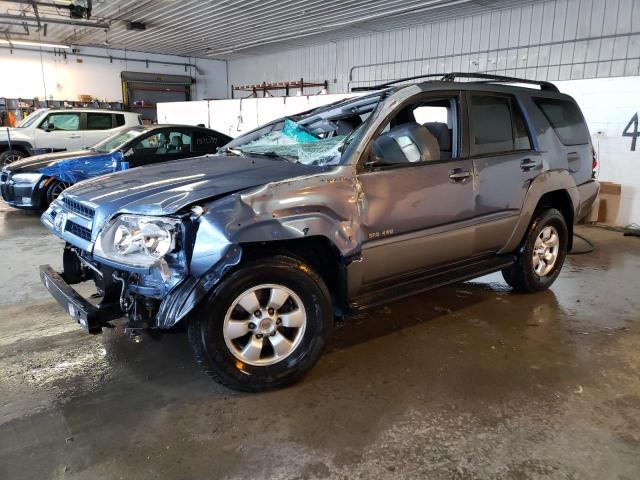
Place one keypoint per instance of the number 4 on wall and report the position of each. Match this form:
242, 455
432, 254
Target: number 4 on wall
633, 134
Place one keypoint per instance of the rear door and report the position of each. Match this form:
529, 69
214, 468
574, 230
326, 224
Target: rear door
204, 142
504, 162
160, 146
98, 126
60, 131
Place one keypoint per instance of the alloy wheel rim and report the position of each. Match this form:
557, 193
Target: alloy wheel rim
264, 324
58, 189
545, 251
11, 158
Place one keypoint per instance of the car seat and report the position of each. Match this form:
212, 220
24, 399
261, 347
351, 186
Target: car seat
443, 135
407, 143
176, 144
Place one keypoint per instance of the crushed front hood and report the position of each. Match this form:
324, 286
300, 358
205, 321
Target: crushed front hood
166, 188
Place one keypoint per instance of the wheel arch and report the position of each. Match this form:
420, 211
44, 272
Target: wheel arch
553, 189
316, 252
560, 200
16, 145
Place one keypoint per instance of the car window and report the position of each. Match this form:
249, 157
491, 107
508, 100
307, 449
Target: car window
99, 121
424, 131
119, 119
566, 119
163, 143
497, 126
204, 142
62, 121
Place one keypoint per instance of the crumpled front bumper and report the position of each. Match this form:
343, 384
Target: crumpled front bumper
90, 317
22, 195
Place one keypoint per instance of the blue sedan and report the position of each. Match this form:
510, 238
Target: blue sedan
33, 183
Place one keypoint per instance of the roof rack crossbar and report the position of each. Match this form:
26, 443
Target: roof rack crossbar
450, 77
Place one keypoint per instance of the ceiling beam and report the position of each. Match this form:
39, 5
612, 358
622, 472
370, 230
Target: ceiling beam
60, 21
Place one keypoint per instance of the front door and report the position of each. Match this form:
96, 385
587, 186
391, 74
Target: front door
60, 131
160, 146
418, 194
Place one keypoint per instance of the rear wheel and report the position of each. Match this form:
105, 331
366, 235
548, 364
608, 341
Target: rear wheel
264, 326
55, 189
7, 157
542, 255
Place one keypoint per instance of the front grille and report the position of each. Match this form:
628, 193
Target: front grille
78, 230
78, 207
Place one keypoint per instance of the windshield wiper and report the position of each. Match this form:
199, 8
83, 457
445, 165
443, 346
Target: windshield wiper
233, 151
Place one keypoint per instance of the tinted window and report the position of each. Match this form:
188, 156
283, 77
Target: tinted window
204, 142
163, 143
62, 121
566, 119
98, 121
491, 125
119, 119
497, 126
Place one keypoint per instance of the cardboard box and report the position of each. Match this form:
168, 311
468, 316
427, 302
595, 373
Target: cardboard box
607, 206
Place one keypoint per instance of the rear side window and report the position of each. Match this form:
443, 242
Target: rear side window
204, 142
98, 121
497, 126
566, 119
119, 119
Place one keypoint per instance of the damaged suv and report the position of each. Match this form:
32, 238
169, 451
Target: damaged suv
309, 218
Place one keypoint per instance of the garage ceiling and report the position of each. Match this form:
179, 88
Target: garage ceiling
223, 29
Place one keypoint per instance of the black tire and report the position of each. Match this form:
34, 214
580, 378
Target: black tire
205, 328
54, 190
521, 276
8, 157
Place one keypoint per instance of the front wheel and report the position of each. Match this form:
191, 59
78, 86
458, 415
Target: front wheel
9, 156
55, 189
264, 326
542, 255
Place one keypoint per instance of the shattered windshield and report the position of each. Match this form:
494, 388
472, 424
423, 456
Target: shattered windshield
114, 142
313, 138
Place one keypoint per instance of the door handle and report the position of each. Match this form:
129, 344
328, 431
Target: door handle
527, 164
459, 175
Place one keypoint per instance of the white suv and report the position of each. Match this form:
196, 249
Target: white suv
53, 130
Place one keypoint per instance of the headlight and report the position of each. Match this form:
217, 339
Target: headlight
26, 177
137, 240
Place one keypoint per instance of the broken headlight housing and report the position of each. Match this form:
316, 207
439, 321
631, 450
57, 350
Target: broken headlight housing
137, 240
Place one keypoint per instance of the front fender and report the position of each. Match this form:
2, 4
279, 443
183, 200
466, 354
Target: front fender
318, 206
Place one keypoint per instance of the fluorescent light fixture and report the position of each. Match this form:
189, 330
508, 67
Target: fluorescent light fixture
33, 44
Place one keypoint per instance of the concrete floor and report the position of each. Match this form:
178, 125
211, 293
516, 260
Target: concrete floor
469, 381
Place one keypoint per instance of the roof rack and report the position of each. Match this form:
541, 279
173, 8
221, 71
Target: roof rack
450, 77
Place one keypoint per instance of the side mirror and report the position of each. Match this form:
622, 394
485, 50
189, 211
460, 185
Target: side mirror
375, 158
50, 127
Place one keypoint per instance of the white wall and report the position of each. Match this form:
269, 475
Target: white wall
608, 105
550, 40
24, 74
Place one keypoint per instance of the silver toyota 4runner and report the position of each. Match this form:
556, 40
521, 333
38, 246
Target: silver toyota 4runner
260, 247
